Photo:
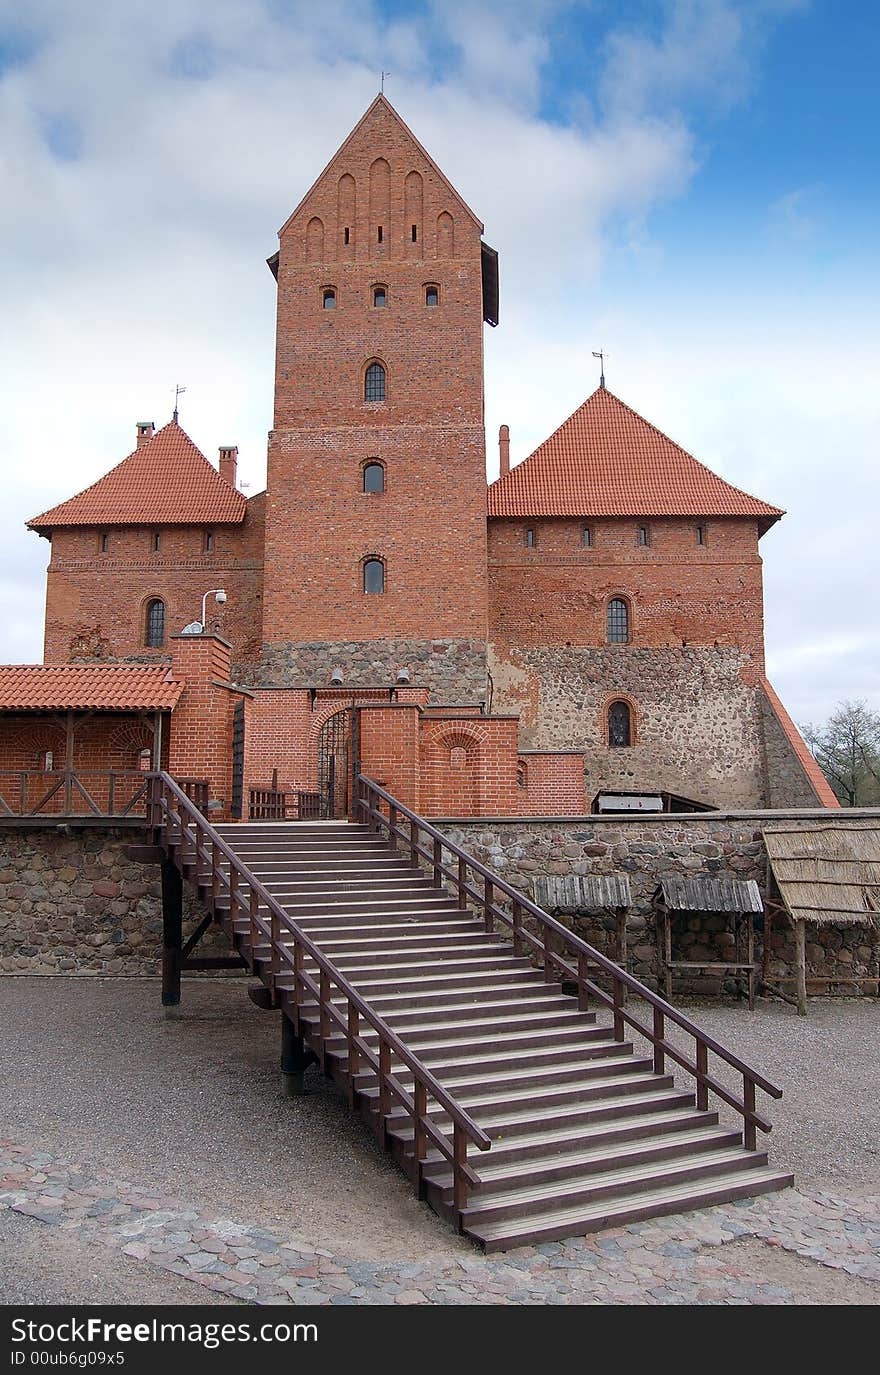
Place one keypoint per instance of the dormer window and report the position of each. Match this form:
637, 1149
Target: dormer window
328, 298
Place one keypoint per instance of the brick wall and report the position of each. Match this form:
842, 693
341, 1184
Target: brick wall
429, 524
200, 743
96, 603
468, 765
551, 784
389, 749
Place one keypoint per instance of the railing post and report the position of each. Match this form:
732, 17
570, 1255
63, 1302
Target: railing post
462, 882
324, 1018
750, 1131
617, 999
384, 1075
215, 870
274, 956
547, 936
659, 1034
488, 895
413, 843
354, 1055
233, 895
702, 1070
459, 1160
516, 914
297, 973
253, 908
438, 861
111, 793
583, 999
392, 826
420, 1112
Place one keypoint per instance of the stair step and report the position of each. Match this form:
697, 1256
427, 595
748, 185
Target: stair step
462, 995
612, 1182
480, 1102
482, 1039
568, 1062
567, 1220
504, 1176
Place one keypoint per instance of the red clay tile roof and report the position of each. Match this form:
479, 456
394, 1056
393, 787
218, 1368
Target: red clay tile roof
167, 481
606, 460
81, 687
819, 783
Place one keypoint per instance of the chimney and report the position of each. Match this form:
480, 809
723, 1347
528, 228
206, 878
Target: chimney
504, 450
229, 463
145, 431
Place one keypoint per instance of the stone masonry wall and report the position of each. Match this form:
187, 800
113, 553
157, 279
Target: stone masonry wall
645, 849
696, 724
72, 903
454, 670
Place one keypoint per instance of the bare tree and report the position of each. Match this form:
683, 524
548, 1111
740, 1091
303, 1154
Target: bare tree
847, 750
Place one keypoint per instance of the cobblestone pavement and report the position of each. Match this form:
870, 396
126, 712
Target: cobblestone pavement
722, 1255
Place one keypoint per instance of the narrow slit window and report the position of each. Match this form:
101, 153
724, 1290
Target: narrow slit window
374, 383
380, 297
155, 624
415, 233
588, 537
530, 538
644, 536
701, 534
156, 542
432, 296
209, 541
374, 576
379, 234
374, 477
619, 725
329, 298
346, 235
618, 621
105, 543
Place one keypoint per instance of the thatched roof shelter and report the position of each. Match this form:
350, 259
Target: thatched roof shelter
827, 871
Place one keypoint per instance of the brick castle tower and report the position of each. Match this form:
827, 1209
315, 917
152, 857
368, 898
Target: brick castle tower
376, 516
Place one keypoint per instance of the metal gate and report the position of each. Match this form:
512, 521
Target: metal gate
335, 764
237, 759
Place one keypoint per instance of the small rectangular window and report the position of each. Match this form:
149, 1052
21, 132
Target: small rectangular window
530, 538
701, 534
588, 537
346, 236
157, 542
105, 543
379, 234
432, 296
415, 233
644, 535
209, 541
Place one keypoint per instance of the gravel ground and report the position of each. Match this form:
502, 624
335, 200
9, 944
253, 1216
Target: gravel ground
190, 1108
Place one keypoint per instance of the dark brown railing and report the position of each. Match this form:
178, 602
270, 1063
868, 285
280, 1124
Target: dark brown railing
182, 827
73, 792
500, 901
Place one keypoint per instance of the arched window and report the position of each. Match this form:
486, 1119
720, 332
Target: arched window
328, 298
374, 477
380, 297
144, 762
522, 774
374, 383
155, 625
619, 725
618, 621
432, 296
458, 757
374, 576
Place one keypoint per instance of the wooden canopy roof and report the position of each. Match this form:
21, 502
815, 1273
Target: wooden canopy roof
709, 894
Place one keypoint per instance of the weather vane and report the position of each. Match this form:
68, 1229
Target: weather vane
178, 392
601, 356
382, 81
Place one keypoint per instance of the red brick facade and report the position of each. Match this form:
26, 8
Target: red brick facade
472, 636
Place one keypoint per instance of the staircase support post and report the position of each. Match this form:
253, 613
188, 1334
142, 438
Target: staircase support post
172, 932
295, 1059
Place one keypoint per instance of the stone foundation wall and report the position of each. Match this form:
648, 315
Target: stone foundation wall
840, 960
72, 903
453, 670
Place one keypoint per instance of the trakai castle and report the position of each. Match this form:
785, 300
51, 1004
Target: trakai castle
590, 625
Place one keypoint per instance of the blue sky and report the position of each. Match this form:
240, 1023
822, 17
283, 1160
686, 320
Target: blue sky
691, 184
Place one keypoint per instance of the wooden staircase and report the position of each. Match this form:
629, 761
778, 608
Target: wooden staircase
518, 1111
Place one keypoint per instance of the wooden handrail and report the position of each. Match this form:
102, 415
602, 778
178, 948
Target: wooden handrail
82, 785
483, 896
243, 891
